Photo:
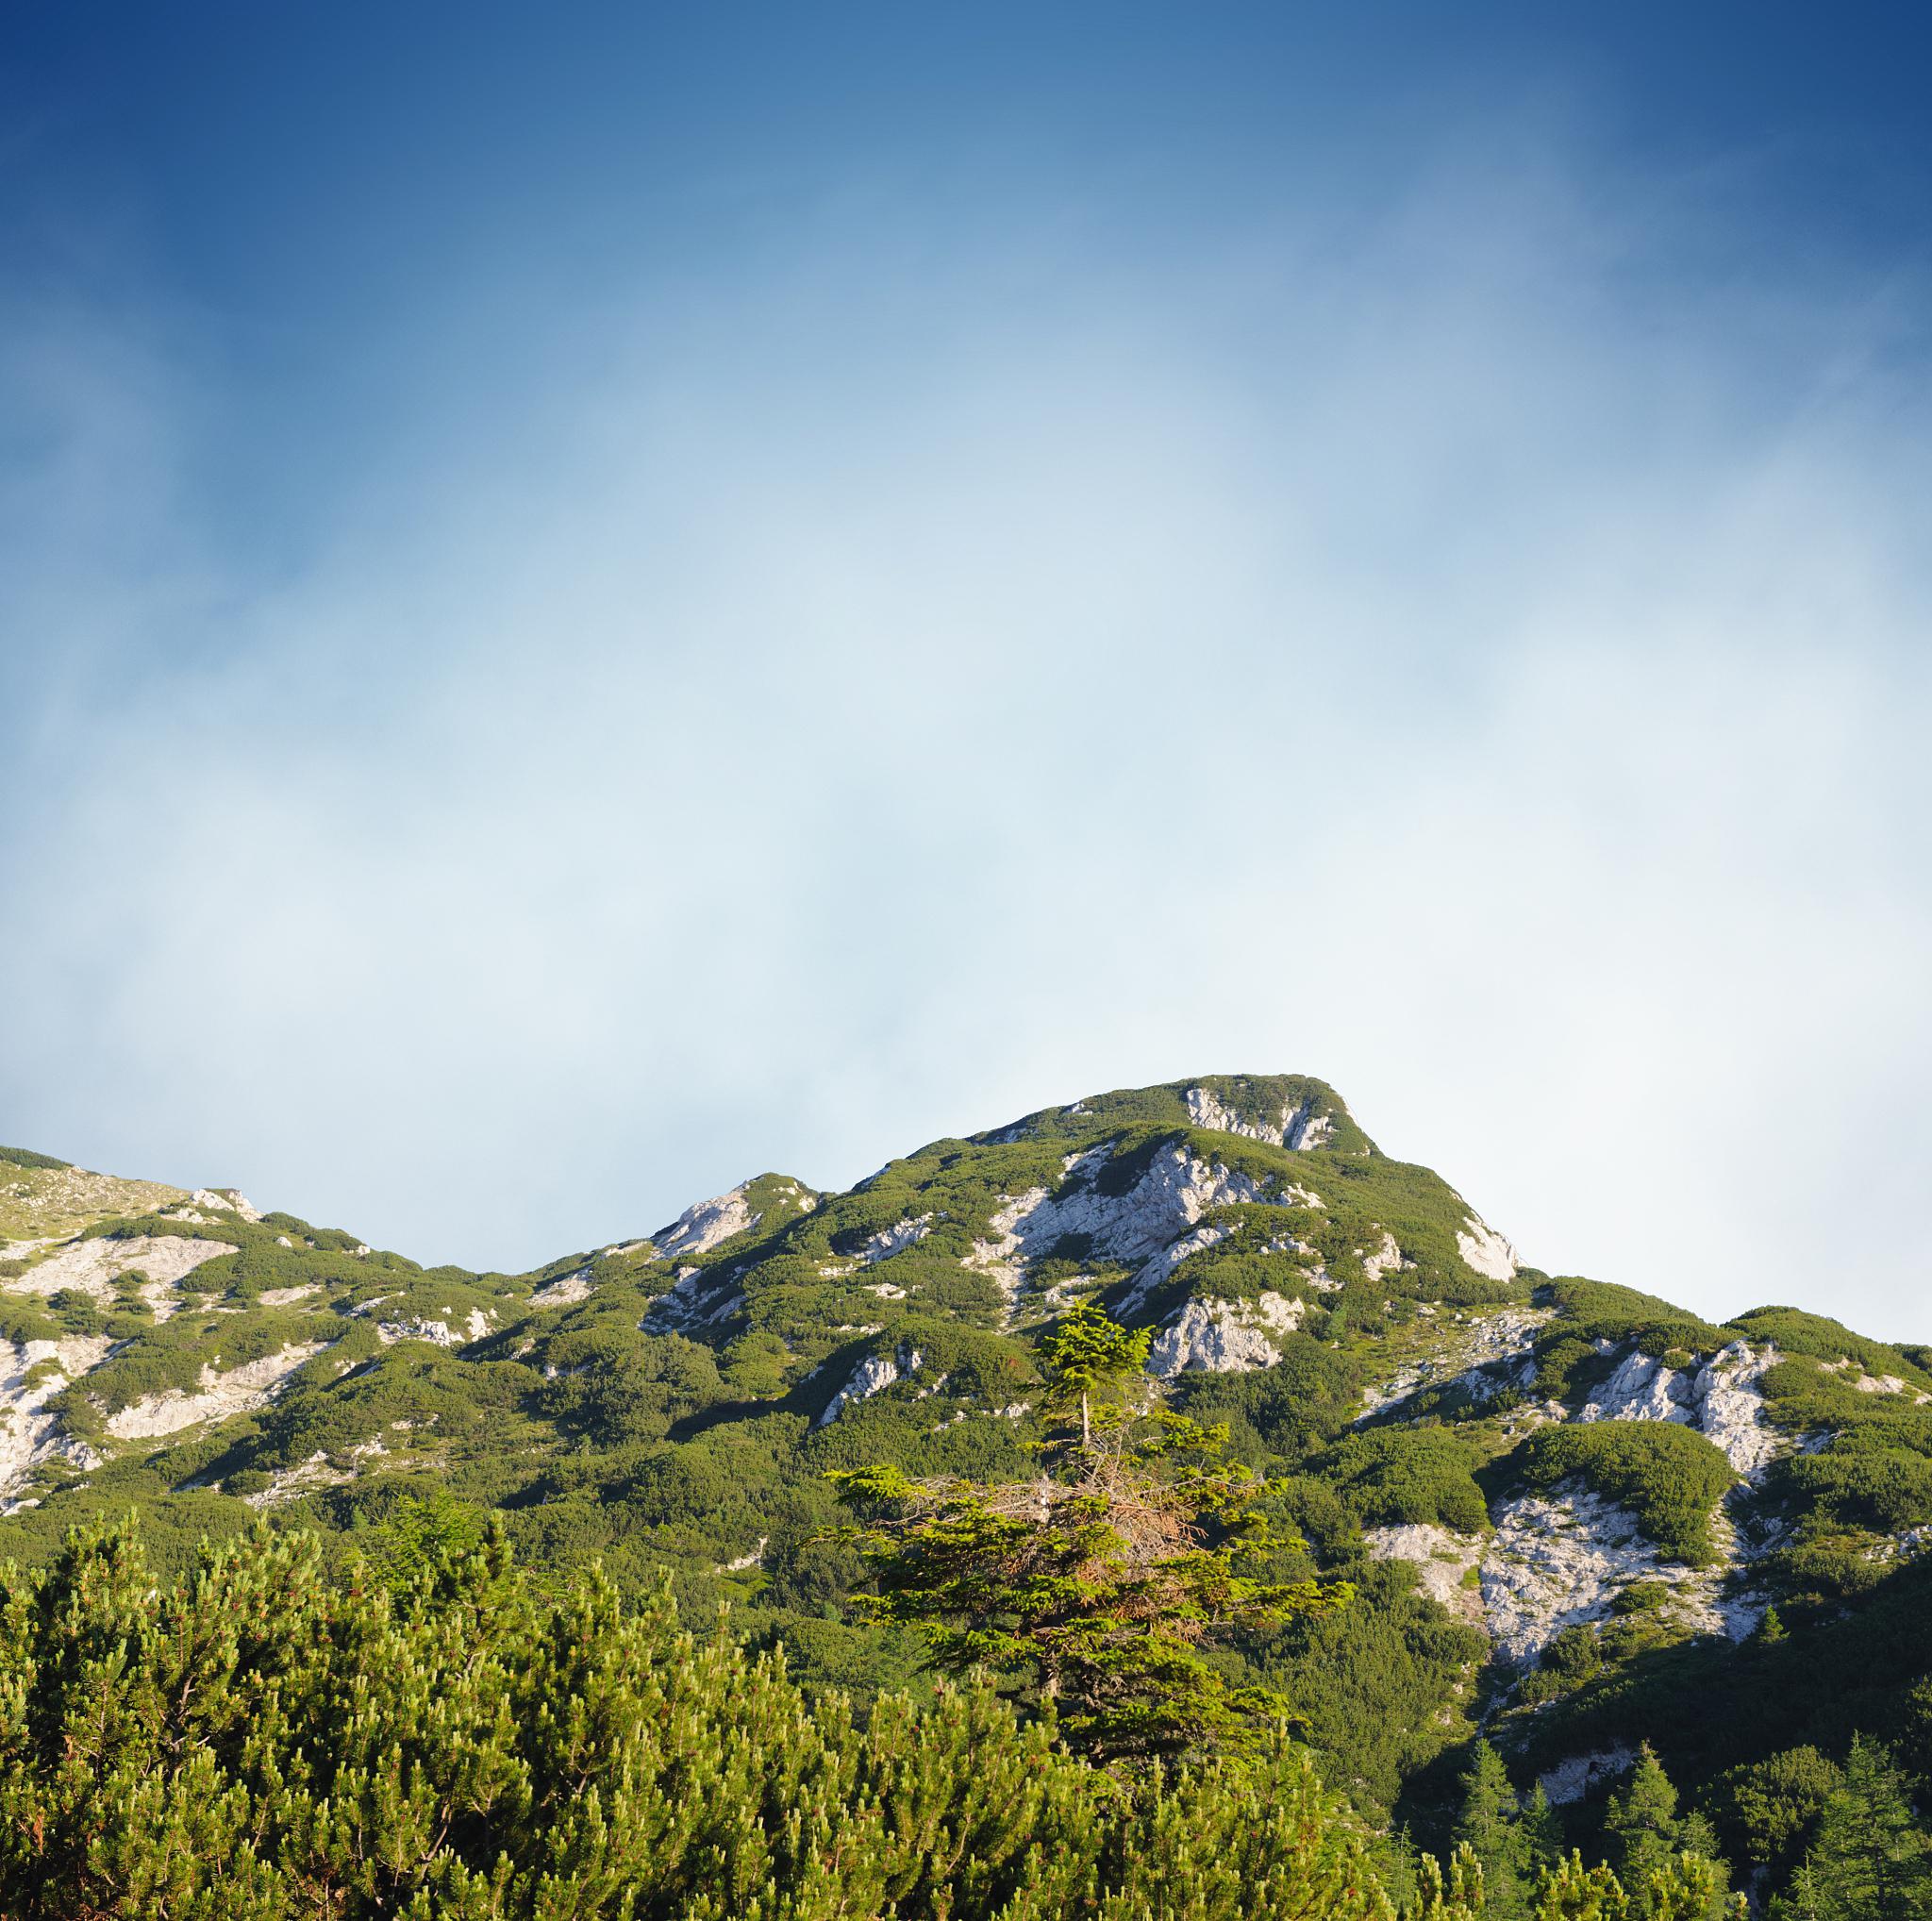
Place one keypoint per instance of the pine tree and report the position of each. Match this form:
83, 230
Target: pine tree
1571, 1892
254, 1743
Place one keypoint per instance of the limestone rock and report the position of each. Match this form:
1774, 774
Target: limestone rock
1441, 1558
872, 1375
1485, 1250
1295, 1128
1722, 1400
700, 1229
240, 1391
895, 1239
1224, 1337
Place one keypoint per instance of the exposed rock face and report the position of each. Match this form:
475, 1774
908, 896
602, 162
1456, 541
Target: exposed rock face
93, 1266
1298, 1127
700, 1229
895, 1239
1224, 1337
1469, 1350
1443, 1560
240, 1391
999, 1258
1170, 1197
1876, 1383
1144, 1225
1562, 1560
224, 1200
564, 1291
28, 1435
1485, 1251
316, 1471
695, 1299
1722, 1400
1386, 1258
872, 1375
439, 1332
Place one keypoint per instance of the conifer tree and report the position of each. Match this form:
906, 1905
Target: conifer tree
1088, 1591
1871, 1860
254, 1743
1489, 1826
1542, 1832
1640, 1826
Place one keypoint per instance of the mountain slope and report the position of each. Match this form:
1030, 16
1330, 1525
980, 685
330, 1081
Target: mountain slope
1565, 1504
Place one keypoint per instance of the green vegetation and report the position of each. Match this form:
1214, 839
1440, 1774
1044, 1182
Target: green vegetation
1390, 1475
1593, 1316
25, 1157
684, 1425
1869, 1858
258, 1742
1668, 1476
1089, 1588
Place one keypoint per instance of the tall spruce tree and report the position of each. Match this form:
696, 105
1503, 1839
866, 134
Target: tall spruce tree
1641, 1827
1541, 1831
1489, 1827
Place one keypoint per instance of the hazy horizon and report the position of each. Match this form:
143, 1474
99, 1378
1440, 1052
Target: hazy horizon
588, 607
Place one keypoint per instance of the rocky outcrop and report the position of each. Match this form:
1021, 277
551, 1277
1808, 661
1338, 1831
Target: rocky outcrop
872, 1375
240, 1391
1485, 1251
1494, 1349
30, 1376
1443, 1560
1722, 1400
1224, 1337
708, 1224
1864, 1383
1563, 1559
438, 1332
895, 1239
1295, 1128
1176, 1189
1580, 1775
93, 1266
1147, 1226
1384, 1258
698, 1298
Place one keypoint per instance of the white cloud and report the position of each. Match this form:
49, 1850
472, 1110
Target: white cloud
868, 702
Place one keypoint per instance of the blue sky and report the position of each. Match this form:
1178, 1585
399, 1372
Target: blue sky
593, 600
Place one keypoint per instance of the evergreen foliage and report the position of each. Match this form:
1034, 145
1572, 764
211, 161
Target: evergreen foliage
1668, 1476
668, 1420
1870, 1858
1089, 1588
256, 1741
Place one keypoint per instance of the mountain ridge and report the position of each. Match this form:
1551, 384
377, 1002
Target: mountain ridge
1562, 1501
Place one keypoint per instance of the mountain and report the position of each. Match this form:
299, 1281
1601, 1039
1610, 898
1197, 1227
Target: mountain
1578, 1519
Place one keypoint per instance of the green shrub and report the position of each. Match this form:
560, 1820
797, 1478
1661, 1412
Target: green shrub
25, 1157
1397, 1475
463, 1746
1669, 1476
